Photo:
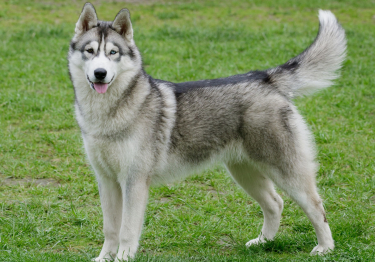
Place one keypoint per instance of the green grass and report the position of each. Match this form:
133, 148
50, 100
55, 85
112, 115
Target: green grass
49, 202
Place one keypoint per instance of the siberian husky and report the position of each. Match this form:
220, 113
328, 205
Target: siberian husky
139, 131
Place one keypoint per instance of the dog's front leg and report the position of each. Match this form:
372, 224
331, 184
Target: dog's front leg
134, 198
111, 200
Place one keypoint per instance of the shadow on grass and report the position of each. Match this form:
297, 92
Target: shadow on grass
284, 245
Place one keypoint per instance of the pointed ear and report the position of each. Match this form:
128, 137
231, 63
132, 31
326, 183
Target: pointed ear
123, 25
87, 20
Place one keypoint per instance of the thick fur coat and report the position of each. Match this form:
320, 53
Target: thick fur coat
139, 131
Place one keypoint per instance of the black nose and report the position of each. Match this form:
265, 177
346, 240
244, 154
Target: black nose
100, 73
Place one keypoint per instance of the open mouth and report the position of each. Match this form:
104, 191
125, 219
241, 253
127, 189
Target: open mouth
99, 87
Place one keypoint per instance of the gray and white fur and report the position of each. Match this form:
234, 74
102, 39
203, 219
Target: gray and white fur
139, 131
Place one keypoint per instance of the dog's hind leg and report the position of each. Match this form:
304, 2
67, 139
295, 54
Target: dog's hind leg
277, 138
261, 188
302, 189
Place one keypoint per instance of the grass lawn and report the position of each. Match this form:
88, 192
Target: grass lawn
49, 202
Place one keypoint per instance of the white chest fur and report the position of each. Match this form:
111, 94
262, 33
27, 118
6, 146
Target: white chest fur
112, 157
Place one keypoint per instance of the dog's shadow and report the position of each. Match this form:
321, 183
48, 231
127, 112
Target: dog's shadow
282, 244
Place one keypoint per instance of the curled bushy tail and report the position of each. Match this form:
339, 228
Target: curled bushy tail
317, 66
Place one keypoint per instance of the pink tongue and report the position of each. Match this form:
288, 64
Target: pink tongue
100, 87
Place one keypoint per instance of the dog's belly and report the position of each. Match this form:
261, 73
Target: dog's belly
178, 167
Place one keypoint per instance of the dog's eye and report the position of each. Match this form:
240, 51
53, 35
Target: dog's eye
90, 51
113, 52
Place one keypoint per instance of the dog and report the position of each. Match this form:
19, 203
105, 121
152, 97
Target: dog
139, 131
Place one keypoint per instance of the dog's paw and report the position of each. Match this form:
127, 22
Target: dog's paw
255, 241
321, 250
121, 260
99, 259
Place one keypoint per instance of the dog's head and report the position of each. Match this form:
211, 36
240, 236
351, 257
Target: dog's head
103, 50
